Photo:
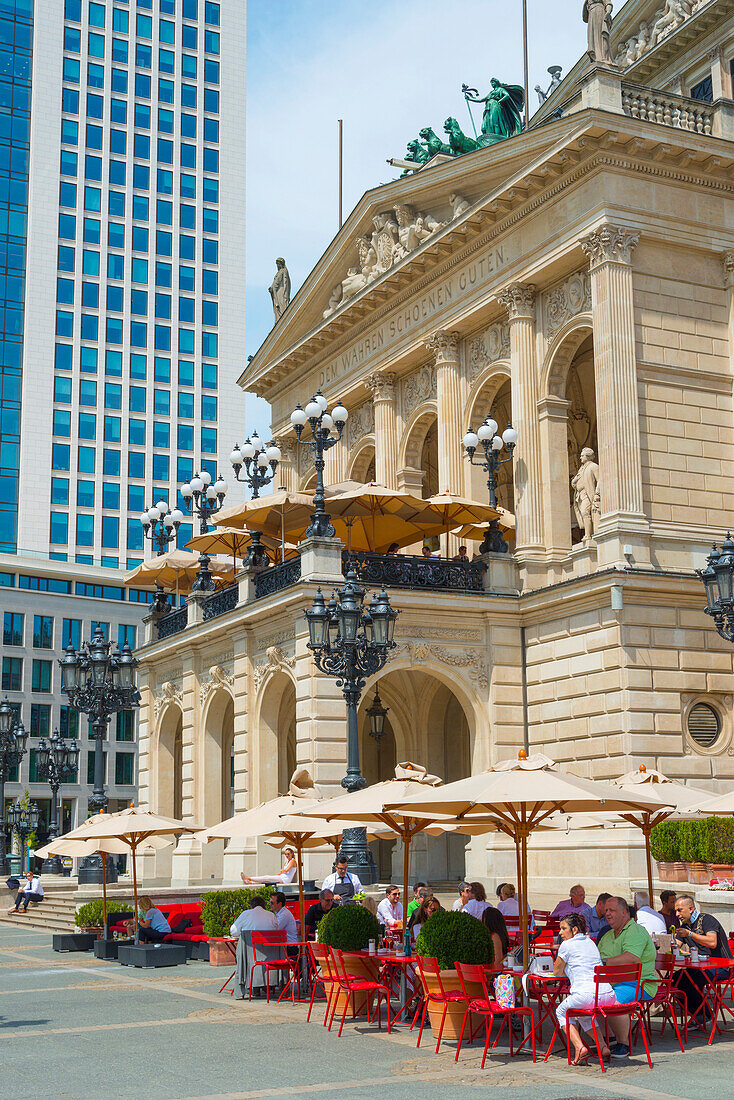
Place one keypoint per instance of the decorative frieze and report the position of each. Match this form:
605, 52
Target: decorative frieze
282, 636
170, 692
361, 423
473, 660
487, 348
218, 676
652, 32
727, 262
564, 301
276, 661
418, 387
609, 244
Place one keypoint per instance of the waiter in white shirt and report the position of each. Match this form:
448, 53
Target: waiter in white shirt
284, 917
341, 882
390, 911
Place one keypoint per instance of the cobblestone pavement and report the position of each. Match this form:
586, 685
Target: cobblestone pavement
74, 1026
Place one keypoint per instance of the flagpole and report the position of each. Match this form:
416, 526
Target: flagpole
525, 59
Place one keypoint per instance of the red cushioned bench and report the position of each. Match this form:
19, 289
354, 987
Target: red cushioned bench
192, 934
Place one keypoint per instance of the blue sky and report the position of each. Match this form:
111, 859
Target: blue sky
387, 69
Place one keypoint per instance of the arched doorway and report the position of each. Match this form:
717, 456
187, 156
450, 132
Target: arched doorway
276, 738
493, 398
363, 466
170, 763
217, 779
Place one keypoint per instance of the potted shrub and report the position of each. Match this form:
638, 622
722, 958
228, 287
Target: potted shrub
219, 911
90, 916
692, 851
350, 928
718, 846
453, 937
666, 851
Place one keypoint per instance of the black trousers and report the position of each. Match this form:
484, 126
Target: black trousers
692, 982
24, 899
149, 935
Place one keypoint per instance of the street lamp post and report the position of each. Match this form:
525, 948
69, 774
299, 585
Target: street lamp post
57, 761
13, 738
492, 444
160, 526
23, 821
718, 581
204, 498
322, 425
260, 463
98, 682
351, 643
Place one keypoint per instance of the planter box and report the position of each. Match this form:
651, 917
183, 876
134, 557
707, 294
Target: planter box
219, 954
680, 872
95, 930
721, 870
454, 1011
79, 941
666, 872
698, 873
151, 955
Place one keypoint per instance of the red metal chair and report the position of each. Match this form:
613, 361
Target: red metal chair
351, 984
271, 939
322, 976
487, 1006
669, 998
612, 975
431, 975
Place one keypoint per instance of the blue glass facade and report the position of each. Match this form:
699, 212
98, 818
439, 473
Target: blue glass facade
16, 43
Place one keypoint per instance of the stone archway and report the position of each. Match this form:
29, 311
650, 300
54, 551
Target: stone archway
216, 775
170, 763
418, 461
362, 468
492, 397
275, 737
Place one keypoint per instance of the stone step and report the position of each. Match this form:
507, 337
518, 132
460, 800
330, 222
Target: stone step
45, 922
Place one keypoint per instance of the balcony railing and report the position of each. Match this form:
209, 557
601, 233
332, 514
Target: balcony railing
173, 623
668, 109
277, 578
220, 602
405, 571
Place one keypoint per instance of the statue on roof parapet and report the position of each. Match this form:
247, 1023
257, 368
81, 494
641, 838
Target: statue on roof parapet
280, 289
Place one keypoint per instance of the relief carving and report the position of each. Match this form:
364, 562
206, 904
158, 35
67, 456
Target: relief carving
170, 692
489, 346
361, 423
418, 387
564, 301
217, 675
653, 31
275, 661
470, 659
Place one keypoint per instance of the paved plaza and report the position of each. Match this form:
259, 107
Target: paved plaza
82, 1025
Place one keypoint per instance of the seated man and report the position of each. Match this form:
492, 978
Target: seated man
597, 923
284, 917
646, 916
30, 891
667, 908
627, 943
464, 894
390, 910
152, 925
418, 895
342, 883
574, 903
693, 928
257, 918
316, 911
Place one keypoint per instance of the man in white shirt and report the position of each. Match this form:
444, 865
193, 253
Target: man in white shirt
31, 890
255, 919
341, 882
646, 915
390, 911
284, 917
464, 894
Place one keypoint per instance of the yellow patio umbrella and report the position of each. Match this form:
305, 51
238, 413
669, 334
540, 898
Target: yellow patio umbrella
175, 569
233, 542
517, 797
281, 515
458, 511
472, 532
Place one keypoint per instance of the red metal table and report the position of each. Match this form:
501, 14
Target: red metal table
231, 946
713, 992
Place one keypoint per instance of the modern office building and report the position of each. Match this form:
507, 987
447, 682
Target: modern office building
123, 274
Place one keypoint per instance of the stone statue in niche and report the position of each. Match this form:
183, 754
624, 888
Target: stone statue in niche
280, 289
586, 503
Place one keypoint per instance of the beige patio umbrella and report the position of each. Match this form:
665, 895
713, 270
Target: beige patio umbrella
175, 569
235, 543
134, 828
473, 532
372, 517
282, 515
457, 511
372, 804
517, 797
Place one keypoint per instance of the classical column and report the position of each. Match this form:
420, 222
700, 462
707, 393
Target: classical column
445, 347
287, 472
186, 863
623, 521
519, 301
382, 387
553, 428
727, 263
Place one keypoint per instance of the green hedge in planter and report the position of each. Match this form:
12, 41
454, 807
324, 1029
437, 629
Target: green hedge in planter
220, 908
455, 937
348, 927
91, 914
717, 840
692, 841
665, 842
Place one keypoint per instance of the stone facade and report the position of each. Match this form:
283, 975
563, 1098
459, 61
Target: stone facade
586, 292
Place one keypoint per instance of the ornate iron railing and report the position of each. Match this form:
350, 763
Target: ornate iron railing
220, 602
173, 623
277, 577
405, 571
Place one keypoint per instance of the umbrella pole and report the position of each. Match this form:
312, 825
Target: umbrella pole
406, 870
648, 858
520, 889
524, 904
135, 890
299, 854
104, 892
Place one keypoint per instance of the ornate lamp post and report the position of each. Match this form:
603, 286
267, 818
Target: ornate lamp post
13, 738
23, 822
718, 580
492, 444
160, 525
204, 498
99, 682
56, 761
260, 463
352, 643
323, 425
377, 715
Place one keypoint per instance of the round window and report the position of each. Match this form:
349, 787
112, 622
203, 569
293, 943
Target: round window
704, 725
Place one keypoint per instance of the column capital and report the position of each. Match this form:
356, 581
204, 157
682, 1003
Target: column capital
519, 301
287, 446
445, 346
609, 244
381, 385
727, 263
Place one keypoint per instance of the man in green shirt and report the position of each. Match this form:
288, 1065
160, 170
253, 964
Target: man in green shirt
419, 892
627, 943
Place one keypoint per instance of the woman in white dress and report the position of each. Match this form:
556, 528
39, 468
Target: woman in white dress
577, 958
287, 872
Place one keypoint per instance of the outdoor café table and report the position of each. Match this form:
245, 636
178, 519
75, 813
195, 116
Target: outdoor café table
713, 991
231, 946
302, 964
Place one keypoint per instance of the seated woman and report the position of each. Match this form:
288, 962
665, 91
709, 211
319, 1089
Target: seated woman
495, 922
418, 918
152, 925
578, 956
286, 875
